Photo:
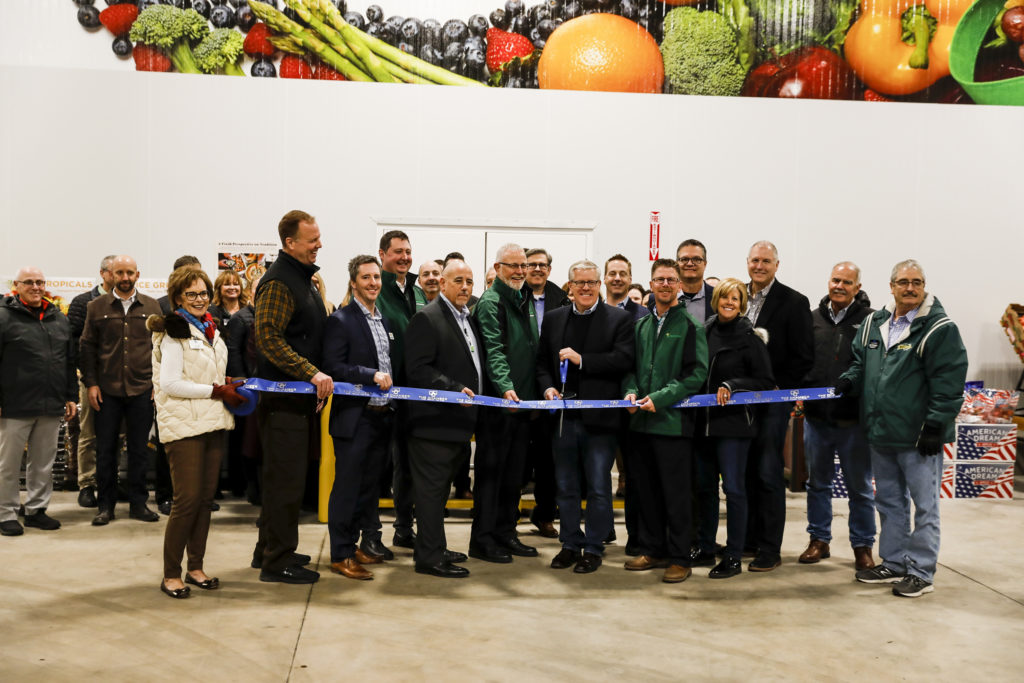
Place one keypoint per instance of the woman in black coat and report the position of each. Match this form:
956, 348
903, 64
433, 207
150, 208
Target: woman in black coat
737, 361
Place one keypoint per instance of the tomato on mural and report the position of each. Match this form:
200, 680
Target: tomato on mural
943, 51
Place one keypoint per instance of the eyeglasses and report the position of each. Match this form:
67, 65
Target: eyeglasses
582, 284
515, 266
31, 283
665, 280
904, 283
695, 260
537, 266
192, 296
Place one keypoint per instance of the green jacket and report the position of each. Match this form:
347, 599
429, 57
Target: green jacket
919, 380
398, 307
670, 366
508, 325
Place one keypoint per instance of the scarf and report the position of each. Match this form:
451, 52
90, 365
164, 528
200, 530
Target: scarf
207, 326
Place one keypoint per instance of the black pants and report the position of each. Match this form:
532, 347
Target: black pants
462, 480
433, 465
499, 470
285, 423
627, 448
401, 483
358, 462
766, 483
137, 412
661, 470
163, 486
541, 464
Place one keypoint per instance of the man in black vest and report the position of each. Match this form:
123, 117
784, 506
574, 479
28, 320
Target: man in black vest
290, 321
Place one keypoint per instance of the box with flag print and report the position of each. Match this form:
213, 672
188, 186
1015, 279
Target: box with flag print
982, 479
986, 442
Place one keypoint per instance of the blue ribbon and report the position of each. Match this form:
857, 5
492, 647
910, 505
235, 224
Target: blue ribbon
456, 397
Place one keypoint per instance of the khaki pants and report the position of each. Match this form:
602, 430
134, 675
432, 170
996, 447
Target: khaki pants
40, 433
86, 440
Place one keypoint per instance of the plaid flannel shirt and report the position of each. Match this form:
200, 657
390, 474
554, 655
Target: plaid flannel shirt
274, 309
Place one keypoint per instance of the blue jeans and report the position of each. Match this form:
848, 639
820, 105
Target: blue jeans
902, 477
821, 441
578, 451
727, 456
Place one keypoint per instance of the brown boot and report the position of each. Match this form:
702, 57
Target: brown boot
816, 551
862, 558
351, 568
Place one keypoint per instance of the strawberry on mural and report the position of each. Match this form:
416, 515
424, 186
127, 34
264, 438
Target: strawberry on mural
869, 50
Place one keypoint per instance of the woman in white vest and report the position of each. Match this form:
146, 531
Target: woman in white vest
190, 390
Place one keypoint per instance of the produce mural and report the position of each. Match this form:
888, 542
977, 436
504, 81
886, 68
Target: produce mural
942, 51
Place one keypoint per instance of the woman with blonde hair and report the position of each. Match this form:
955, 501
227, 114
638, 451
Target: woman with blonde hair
737, 361
229, 297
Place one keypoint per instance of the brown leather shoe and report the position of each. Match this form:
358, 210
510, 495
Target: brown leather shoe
676, 574
645, 562
352, 569
862, 558
365, 558
816, 551
546, 529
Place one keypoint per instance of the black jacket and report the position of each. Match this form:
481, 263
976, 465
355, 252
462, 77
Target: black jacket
737, 359
241, 341
786, 316
636, 310
554, 297
608, 354
833, 355
349, 355
76, 316
439, 359
37, 370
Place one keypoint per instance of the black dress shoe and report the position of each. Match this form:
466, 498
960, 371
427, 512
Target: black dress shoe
454, 556
376, 548
214, 506
40, 520
142, 513
497, 555
176, 593
565, 559
728, 567
764, 563
210, 584
446, 570
404, 539
587, 563
164, 507
293, 574
103, 518
87, 497
518, 548
701, 559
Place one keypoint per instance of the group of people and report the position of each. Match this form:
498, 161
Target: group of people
898, 372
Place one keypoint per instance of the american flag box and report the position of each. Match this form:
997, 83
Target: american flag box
983, 479
987, 442
839, 483
949, 451
948, 486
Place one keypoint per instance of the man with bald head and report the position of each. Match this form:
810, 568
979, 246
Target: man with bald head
428, 283
116, 361
833, 427
38, 386
447, 355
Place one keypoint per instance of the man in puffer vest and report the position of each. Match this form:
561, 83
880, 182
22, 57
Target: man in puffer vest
909, 367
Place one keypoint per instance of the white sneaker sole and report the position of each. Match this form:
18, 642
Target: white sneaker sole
894, 579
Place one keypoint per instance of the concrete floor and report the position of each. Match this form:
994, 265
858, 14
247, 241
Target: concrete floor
83, 603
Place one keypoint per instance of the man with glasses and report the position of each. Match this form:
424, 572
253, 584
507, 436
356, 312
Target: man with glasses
38, 386
786, 314
545, 297
671, 365
909, 367
694, 293
595, 342
116, 361
508, 328
86, 447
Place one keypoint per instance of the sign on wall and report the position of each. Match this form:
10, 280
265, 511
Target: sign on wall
940, 51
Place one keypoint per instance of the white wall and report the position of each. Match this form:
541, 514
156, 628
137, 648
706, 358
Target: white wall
97, 161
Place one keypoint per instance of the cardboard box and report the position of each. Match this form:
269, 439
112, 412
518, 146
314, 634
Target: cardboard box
988, 442
983, 480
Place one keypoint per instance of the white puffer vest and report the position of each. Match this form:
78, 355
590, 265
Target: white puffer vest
179, 418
